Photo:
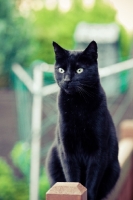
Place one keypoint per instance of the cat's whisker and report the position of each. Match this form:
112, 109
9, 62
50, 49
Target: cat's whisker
88, 94
89, 86
93, 93
82, 94
87, 83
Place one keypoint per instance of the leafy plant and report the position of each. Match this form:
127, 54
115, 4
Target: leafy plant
7, 190
55, 25
20, 155
5, 170
21, 158
11, 187
43, 185
14, 188
15, 42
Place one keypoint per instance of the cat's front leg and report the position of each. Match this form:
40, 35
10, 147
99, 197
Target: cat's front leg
70, 168
94, 173
53, 167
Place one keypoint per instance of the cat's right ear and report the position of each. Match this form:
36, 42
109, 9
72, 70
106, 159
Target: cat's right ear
91, 50
59, 51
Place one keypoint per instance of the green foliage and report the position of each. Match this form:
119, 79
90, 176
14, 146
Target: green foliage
6, 181
7, 189
14, 36
55, 25
21, 158
24, 40
125, 42
43, 185
18, 189
10, 187
5, 170
101, 12
22, 190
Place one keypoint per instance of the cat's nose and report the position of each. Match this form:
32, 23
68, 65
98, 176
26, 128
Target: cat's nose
67, 78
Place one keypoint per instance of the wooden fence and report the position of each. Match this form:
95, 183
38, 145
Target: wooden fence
124, 187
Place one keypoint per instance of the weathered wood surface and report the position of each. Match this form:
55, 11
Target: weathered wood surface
126, 129
67, 191
124, 187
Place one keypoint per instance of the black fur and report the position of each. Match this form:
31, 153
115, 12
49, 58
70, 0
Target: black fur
85, 148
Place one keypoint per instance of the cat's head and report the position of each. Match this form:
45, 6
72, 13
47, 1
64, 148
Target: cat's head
76, 71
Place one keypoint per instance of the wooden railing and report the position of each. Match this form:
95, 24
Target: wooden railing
124, 187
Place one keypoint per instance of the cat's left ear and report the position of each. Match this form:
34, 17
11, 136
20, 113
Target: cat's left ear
59, 51
91, 49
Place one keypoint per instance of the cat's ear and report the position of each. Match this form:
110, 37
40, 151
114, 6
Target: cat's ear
91, 49
59, 51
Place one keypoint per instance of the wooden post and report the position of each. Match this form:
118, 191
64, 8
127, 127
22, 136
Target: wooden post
126, 129
67, 191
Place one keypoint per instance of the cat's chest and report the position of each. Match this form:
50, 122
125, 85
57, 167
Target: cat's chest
77, 132
77, 122
77, 115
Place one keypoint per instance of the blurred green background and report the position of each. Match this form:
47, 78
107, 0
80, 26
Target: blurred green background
27, 29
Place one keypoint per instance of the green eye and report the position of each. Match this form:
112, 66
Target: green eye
80, 70
61, 70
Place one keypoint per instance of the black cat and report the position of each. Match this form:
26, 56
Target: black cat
85, 148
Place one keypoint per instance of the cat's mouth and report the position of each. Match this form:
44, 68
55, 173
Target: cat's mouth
68, 88
68, 91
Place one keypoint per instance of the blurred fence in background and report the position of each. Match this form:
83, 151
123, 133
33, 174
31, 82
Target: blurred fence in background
116, 80
117, 85
107, 37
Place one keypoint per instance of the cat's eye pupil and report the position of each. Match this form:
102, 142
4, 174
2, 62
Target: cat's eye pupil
61, 70
80, 70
